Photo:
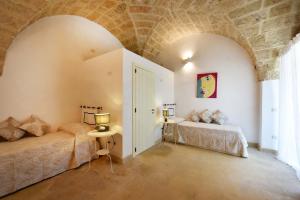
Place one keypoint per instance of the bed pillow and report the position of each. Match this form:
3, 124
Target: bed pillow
205, 116
9, 130
75, 128
35, 126
195, 117
219, 117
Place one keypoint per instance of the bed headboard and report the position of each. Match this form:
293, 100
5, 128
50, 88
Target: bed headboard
171, 107
87, 113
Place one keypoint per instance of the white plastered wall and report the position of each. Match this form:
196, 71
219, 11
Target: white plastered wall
238, 91
41, 68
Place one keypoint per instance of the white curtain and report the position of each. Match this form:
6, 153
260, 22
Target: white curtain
289, 106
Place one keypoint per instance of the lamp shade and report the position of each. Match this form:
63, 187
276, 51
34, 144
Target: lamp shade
165, 112
102, 118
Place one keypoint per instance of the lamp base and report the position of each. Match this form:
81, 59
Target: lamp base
102, 128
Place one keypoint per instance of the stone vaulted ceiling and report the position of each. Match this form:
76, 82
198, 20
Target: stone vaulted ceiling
262, 27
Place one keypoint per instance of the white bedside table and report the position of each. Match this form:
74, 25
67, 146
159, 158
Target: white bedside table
105, 135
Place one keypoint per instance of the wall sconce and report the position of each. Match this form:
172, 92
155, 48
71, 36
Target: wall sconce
187, 60
187, 55
188, 64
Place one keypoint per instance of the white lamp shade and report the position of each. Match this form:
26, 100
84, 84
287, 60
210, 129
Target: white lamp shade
102, 118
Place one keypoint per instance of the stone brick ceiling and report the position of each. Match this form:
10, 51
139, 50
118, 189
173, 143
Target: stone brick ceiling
262, 27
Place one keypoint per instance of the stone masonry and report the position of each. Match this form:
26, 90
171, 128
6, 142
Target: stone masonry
262, 27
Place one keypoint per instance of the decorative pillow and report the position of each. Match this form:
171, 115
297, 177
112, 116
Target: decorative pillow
205, 116
195, 117
219, 117
35, 126
192, 116
9, 130
75, 128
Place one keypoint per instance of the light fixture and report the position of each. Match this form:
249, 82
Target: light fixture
102, 122
187, 60
188, 66
165, 114
187, 55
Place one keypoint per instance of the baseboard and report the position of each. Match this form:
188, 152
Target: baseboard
257, 146
271, 151
121, 160
157, 141
253, 145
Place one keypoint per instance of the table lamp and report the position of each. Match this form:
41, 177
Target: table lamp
166, 114
102, 120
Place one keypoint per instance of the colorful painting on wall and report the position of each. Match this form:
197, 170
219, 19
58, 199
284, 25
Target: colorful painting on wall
207, 85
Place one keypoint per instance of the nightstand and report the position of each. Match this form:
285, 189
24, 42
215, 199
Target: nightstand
105, 135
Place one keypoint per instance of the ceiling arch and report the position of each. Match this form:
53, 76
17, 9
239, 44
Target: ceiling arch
181, 24
262, 27
16, 15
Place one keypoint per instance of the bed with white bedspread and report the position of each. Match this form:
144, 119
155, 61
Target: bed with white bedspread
32, 159
227, 139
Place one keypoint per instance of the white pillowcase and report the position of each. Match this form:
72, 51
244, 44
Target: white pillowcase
205, 116
219, 117
35, 126
195, 117
9, 130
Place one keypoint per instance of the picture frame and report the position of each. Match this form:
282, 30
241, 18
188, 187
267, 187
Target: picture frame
207, 85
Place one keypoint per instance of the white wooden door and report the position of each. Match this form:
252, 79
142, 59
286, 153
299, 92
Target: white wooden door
269, 114
143, 109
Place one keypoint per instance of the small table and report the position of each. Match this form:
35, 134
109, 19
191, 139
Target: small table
104, 135
173, 122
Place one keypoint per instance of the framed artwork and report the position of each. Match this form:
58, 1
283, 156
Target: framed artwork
207, 85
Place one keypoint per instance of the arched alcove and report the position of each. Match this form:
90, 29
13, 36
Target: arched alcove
237, 95
42, 75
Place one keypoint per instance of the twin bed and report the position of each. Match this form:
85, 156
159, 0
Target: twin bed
32, 159
227, 139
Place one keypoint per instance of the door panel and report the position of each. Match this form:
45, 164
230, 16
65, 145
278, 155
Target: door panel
143, 105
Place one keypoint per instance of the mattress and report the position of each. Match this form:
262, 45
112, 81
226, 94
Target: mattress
227, 139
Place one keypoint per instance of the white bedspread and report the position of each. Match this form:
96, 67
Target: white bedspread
222, 138
30, 160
